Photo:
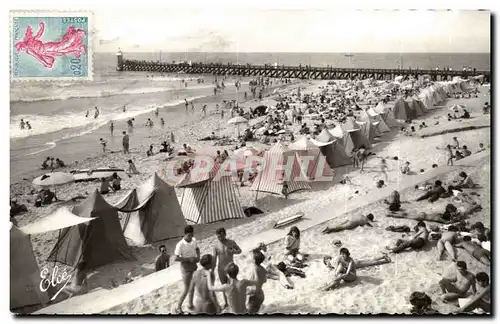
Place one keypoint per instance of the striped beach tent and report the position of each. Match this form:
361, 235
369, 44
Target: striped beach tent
209, 200
275, 172
382, 126
402, 110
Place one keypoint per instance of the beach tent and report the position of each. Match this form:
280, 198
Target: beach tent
313, 163
281, 164
376, 117
151, 212
24, 272
332, 149
402, 110
368, 130
350, 125
98, 242
415, 107
209, 198
344, 137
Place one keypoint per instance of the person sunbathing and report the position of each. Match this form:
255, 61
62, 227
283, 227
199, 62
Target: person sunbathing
349, 224
435, 193
454, 288
421, 303
394, 201
474, 249
446, 243
345, 270
416, 242
479, 229
481, 299
327, 261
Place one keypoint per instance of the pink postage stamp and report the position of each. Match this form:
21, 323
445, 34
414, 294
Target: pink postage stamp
51, 45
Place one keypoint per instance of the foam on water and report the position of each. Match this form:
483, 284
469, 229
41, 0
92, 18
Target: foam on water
83, 125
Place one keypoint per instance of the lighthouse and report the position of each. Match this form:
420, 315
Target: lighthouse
119, 60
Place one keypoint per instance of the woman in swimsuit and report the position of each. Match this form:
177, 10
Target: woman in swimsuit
292, 246
345, 270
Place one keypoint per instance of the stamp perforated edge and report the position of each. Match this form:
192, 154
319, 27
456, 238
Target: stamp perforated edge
54, 13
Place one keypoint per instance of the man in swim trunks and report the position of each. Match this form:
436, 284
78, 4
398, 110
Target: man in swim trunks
457, 287
416, 242
234, 289
259, 275
446, 242
188, 254
224, 250
206, 302
474, 249
483, 297
345, 270
358, 220
435, 193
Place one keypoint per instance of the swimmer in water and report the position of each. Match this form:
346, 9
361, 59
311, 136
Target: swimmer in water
22, 124
87, 114
96, 113
125, 108
111, 127
28, 124
162, 121
157, 112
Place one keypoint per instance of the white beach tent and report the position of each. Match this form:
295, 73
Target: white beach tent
308, 152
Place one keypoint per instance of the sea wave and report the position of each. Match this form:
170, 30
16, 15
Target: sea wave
95, 92
76, 124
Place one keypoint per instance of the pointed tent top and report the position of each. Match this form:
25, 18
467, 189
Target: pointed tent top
380, 108
325, 136
93, 203
302, 144
338, 131
364, 116
371, 112
350, 125
60, 219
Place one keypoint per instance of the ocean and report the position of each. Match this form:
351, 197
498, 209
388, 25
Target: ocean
57, 111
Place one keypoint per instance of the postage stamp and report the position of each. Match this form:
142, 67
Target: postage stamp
51, 45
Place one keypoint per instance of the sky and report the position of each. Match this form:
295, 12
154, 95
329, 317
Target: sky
302, 30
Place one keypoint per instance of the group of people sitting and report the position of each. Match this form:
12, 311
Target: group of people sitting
50, 164
113, 183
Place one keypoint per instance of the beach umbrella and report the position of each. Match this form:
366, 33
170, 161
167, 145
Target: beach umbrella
53, 179
246, 151
237, 121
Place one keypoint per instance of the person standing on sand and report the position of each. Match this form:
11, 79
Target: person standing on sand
204, 110
186, 104
224, 250
96, 113
21, 125
188, 254
259, 275
458, 286
162, 121
125, 142
111, 127
206, 303
222, 113
234, 289
192, 106
103, 143
384, 168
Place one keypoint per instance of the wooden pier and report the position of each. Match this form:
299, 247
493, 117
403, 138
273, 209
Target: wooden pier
292, 72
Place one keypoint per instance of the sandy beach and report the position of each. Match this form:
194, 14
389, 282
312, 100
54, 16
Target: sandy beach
391, 283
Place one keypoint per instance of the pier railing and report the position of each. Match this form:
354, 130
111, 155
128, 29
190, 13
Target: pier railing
295, 72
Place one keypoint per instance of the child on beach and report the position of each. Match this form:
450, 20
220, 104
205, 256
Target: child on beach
103, 144
406, 168
132, 169
383, 168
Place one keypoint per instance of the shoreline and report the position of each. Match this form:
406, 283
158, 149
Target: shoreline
83, 146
